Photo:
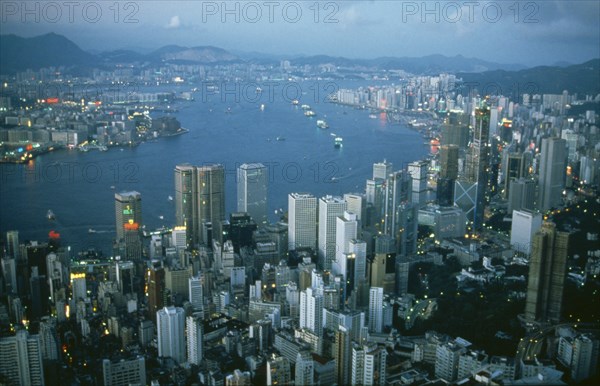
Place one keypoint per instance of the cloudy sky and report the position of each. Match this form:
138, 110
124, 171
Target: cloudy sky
526, 32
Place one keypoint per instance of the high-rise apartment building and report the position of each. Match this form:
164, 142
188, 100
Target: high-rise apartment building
171, 333
21, 359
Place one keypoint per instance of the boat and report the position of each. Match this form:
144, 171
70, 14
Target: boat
262, 107
50, 215
309, 113
170, 198
91, 230
161, 217
280, 138
305, 107
322, 124
338, 142
372, 116
295, 102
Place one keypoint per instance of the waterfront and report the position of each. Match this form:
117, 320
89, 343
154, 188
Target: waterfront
79, 187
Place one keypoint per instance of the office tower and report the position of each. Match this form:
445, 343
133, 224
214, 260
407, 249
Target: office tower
199, 200
170, 326
330, 208
525, 224
302, 221
252, 182
397, 192
48, 335
78, 286
342, 352
40, 294
304, 369
449, 161
477, 169
21, 359
240, 230
124, 372
311, 311
346, 230
9, 273
179, 237
552, 173
128, 211
176, 280
375, 195
402, 271
381, 170
418, 174
407, 223
455, 134
125, 271
511, 170
547, 271
186, 207
358, 257
368, 365
356, 203
449, 222
376, 309
195, 335
238, 378
196, 296
278, 371
145, 332
521, 195
12, 245
156, 288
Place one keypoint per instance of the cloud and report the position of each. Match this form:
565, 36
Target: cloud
174, 23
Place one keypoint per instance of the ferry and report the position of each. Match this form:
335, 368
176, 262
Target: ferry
309, 113
338, 142
322, 124
50, 215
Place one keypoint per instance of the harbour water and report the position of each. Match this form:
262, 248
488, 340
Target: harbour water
79, 187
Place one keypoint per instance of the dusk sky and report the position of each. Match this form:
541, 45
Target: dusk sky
526, 32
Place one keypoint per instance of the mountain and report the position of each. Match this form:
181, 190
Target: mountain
202, 55
50, 50
431, 64
581, 78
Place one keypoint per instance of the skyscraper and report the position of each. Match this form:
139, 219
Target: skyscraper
252, 183
21, 359
368, 365
195, 336
397, 192
525, 224
382, 170
376, 309
552, 172
128, 216
342, 352
449, 161
418, 174
547, 273
346, 230
124, 372
171, 332
330, 208
477, 167
195, 293
521, 194
311, 311
12, 244
302, 221
199, 200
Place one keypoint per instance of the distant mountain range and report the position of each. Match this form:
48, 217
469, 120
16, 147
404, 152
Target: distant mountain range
49, 50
